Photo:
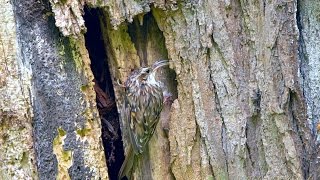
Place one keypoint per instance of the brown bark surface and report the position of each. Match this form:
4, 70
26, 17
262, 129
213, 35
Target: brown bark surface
243, 75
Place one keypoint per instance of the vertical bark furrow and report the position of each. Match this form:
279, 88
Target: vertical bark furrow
300, 143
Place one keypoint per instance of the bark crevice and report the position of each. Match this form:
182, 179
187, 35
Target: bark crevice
254, 145
300, 145
105, 96
224, 138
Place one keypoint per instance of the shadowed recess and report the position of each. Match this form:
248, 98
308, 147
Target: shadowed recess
149, 42
111, 133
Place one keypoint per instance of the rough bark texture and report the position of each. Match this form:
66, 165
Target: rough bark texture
309, 45
17, 156
246, 88
56, 76
308, 23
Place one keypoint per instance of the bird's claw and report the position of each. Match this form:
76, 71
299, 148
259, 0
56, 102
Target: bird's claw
167, 98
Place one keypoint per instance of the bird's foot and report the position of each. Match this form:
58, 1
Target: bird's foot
167, 98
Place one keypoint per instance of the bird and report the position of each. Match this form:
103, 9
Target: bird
143, 102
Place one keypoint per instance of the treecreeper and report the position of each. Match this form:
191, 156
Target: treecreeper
143, 102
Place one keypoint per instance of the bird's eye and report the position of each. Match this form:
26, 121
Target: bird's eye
148, 71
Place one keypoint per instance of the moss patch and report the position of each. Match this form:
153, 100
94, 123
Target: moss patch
83, 132
64, 157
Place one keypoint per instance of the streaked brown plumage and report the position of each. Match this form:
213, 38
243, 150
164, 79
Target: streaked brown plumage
142, 106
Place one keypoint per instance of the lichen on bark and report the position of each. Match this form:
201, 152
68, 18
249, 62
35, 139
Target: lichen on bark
16, 145
60, 67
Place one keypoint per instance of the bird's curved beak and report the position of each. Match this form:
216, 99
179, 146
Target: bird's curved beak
160, 64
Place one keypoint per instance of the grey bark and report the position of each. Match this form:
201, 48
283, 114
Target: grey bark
309, 26
65, 134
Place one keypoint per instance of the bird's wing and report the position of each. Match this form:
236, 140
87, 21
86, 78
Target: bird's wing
142, 118
133, 121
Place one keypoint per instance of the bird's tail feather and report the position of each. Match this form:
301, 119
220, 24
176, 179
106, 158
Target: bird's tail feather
127, 165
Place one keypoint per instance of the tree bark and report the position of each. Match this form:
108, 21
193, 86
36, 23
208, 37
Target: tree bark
17, 157
50, 121
244, 77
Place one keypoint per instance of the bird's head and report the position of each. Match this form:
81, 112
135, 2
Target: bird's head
146, 75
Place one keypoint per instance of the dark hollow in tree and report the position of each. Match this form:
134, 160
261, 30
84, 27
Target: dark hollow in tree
111, 133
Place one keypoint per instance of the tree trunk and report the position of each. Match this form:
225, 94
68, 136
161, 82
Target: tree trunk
244, 76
